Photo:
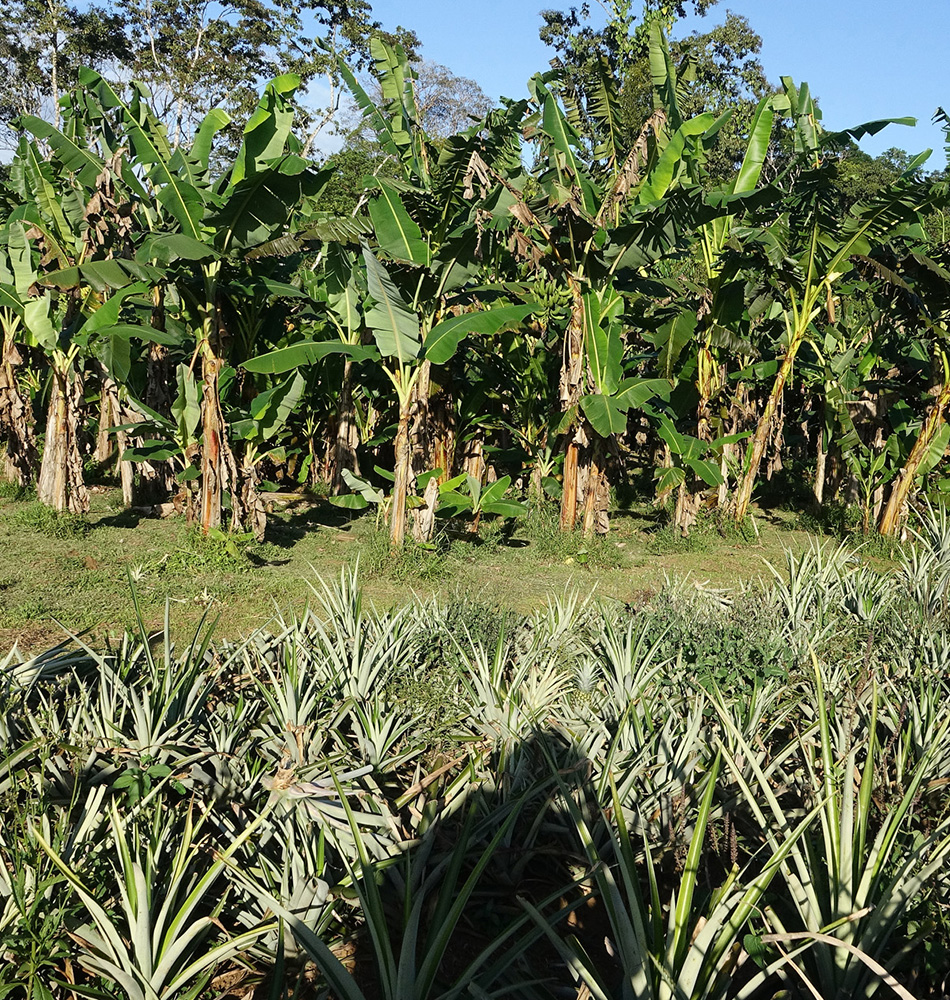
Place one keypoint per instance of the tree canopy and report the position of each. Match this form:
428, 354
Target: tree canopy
192, 55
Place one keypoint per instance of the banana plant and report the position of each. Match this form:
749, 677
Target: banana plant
930, 431
416, 269
588, 228
805, 252
475, 501
201, 227
69, 244
426, 235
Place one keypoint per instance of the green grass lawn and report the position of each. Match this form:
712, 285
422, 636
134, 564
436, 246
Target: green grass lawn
61, 572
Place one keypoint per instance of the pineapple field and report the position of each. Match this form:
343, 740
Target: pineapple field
706, 794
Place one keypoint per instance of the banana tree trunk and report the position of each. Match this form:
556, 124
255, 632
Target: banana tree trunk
108, 417
213, 443
248, 512
419, 433
597, 491
569, 485
402, 470
571, 389
705, 386
157, 479
900, 491
347, 432
126, 469
763, 429
473, 456
432, 438
821, 467
60, 484
111, 414
423, 518
16, 421
443, 432
686, 509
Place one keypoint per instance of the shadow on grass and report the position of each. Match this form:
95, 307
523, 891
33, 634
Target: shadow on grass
127, 518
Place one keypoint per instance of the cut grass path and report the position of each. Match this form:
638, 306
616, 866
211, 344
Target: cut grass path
60, 573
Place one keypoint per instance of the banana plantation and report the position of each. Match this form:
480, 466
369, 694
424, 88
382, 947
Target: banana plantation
697, 794
508, 306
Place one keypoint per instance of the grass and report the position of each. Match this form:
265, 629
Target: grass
61, 571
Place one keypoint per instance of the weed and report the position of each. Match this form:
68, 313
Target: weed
835, 517
710, 526
723, 524
35, 516
541, 527
10, 490
877, 546
669, 540
433, 695
31, 609
729, 642
541, 522
467, 619
321, 489
495, 531
414, 561
217, 550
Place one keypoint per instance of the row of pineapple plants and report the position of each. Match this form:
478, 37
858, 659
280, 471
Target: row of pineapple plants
442, 800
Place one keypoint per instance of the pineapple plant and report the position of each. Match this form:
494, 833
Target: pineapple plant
586, 681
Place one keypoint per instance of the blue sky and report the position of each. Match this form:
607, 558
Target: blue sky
863, 60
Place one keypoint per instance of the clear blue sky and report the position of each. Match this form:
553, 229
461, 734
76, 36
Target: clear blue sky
863, 60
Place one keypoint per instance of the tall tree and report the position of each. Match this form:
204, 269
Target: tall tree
717, 71
43, 44
193, 55
446, 102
